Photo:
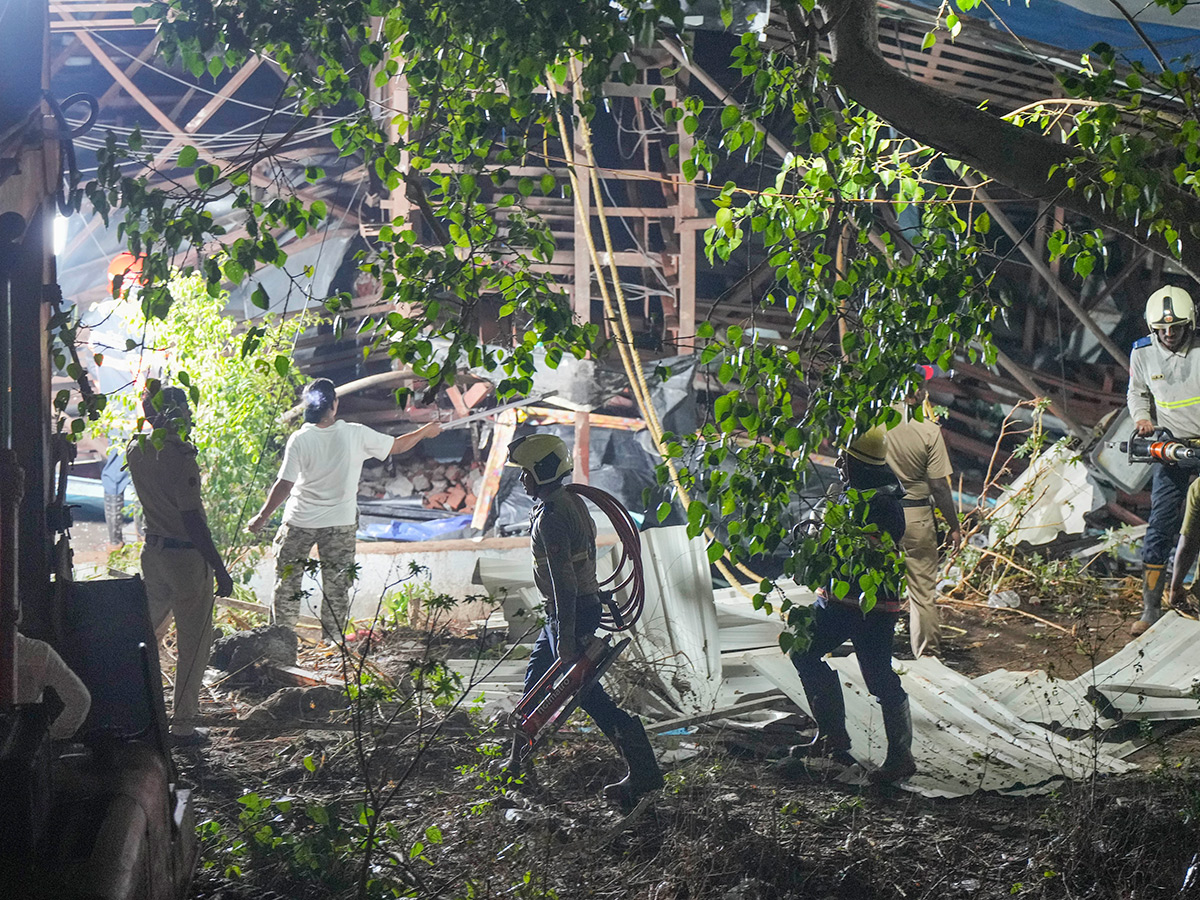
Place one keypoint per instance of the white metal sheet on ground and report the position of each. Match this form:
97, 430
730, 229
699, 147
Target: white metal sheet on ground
1038, 697
1163, 658
677, 633
1164, 655
964, 741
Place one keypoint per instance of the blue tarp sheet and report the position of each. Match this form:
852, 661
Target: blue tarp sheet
1063, 25
396, 530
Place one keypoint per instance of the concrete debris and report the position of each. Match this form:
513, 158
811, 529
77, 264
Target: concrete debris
441, 487
264, 644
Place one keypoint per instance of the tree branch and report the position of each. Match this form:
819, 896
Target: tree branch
1017, 157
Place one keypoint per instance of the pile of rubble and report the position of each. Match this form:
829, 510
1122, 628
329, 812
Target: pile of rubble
439, 486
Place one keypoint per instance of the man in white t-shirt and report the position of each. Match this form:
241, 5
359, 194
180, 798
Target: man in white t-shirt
319, 480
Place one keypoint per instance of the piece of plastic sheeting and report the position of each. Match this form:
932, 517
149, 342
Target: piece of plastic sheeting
397, 530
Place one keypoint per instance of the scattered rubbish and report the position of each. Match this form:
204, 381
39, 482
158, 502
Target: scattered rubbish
1004, 600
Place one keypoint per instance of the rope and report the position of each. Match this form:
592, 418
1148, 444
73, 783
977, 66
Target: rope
629, 359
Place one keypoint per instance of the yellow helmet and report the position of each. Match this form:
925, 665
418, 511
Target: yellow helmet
870, 447
544, 456
1170, 306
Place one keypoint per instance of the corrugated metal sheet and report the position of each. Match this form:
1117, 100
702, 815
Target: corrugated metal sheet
964, 740
1134, 681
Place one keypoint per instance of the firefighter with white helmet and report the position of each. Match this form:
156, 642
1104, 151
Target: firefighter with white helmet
1164, 392
563, 539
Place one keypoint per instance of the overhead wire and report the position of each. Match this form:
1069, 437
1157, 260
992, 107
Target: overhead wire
166, 74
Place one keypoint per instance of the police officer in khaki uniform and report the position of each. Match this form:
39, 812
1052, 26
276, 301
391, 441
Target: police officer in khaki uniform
916, 452
179, 559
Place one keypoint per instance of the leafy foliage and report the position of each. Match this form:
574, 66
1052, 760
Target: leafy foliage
881, 264
881, 272
238, 385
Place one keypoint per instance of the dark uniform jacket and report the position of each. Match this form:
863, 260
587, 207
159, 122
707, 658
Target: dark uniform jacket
563, 536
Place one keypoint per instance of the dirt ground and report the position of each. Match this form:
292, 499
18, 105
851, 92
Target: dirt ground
280, 817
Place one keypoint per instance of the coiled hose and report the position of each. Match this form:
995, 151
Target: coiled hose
628, 572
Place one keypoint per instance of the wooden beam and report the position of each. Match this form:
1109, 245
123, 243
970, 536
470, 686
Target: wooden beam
583, 434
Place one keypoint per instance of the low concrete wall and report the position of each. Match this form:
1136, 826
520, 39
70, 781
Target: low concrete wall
384, 565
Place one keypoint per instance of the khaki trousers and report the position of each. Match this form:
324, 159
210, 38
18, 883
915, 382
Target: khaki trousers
921, 559
180, 583
336, 545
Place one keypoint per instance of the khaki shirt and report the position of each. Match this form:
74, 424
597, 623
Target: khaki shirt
167, 483
916, 452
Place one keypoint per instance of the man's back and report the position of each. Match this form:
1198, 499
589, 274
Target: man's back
916, 452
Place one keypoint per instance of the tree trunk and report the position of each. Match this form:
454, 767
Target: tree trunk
1019, 158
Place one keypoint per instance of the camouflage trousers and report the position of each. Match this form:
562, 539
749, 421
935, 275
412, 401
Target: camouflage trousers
335, 545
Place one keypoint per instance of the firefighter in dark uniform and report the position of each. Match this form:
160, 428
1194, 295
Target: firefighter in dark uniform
563, 539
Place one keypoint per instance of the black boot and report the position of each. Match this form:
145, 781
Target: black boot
644, 774
1153, 581
899, 764
516, 769
114, 508
832, 741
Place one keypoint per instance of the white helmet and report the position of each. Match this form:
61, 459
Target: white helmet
1170, 306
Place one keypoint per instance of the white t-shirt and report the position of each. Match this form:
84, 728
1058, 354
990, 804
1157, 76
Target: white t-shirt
325, 465
38, 667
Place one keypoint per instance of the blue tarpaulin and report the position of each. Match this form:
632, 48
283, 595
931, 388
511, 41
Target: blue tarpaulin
1078, 25
397, 530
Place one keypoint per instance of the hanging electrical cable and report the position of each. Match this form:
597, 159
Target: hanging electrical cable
632, 365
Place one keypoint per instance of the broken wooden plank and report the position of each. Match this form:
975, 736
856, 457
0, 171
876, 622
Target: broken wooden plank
724, 712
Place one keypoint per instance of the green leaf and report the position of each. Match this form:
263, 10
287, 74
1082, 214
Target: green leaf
729, 116
715, 551
664, 510
206, 176
187, 157
259, 298
549, 182
283, 365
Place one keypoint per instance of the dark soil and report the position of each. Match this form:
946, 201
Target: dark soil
726, 827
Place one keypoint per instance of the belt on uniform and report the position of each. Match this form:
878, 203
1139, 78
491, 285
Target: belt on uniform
914, 503
166, 543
